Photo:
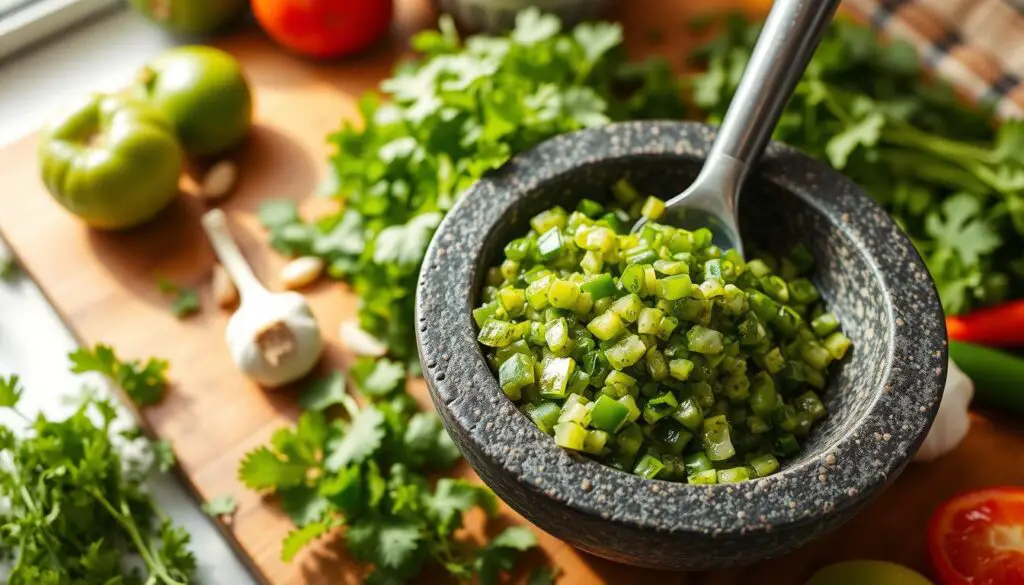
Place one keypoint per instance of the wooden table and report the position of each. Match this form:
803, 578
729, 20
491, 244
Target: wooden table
103, 285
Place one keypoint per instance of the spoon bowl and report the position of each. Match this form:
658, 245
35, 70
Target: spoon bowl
790, 35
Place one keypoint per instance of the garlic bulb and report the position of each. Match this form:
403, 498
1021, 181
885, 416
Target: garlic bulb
273, 337
952, 421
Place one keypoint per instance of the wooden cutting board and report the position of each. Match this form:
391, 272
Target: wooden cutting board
103, 285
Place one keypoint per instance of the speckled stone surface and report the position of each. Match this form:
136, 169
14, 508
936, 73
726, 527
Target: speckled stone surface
882, 399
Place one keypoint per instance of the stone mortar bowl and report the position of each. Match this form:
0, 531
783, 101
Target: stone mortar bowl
881, 399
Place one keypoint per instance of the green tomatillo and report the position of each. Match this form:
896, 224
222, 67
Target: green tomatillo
191, 17
114, 161
204, 94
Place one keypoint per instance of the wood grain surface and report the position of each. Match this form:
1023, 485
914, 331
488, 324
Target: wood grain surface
103, 285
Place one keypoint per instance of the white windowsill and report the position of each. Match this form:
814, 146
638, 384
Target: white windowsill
43, 18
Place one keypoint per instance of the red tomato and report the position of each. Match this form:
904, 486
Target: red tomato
324, 28
977, 538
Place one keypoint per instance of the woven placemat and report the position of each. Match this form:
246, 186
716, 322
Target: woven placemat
978, 45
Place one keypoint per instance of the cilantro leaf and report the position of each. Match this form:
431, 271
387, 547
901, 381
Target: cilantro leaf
427, 444
10, 391
377, 378
304, 505
224, 505
389, 543
277, 213
324, 392
454, 497
163, 455
144, 384
533, 26
362, 438
963, 229
405, 245
501, 554
597, 38
863, 132
298, 539
184, 300
261, 469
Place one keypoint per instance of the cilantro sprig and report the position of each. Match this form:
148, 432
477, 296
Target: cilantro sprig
363, 477
463, 109
954, 184
143, 383
76, 510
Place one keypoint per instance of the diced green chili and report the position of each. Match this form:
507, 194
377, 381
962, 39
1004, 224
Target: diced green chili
627, 346
648, 467
717, 441
545, 416
516, 373
570, 435
733, 475
837, 344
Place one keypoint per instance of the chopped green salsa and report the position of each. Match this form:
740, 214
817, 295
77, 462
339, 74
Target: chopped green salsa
658, 353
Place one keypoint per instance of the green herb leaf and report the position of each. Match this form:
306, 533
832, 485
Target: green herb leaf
378, 378
163, 455
277, 213
453, 497
10, 391
324, 392
144, 384
262, 469
304, 505
501, 554
389, 543
224, 505
405, 245
362, 438
863, 132
298, 539
185, 300
962, 229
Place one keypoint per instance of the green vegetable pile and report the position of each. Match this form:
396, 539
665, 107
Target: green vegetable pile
364, 476
628, 347
461, 111
954, 184
75, 507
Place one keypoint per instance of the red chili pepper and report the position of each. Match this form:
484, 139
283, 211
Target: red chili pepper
1001, 326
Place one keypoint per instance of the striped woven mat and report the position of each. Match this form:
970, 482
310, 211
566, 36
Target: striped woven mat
978, 45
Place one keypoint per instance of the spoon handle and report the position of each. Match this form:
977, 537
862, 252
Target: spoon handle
216, 226
791, 34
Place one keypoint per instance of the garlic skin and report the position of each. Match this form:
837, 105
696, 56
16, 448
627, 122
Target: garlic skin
281, 345
952, 421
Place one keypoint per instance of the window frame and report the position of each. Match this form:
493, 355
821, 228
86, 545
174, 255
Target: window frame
39, 19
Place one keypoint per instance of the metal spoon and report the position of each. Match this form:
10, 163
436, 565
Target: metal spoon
791, 34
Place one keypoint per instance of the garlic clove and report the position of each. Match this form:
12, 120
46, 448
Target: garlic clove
360, 342
219, 180
224, 291
301, 272
953, 421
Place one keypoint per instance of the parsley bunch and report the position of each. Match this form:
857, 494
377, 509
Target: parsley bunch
363, 476
463, 109
951, 181
75, 511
